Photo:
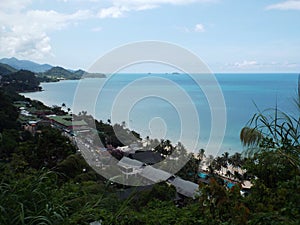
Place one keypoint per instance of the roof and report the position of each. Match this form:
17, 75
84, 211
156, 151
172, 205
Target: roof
148, 157
184, 187
67, 121
247, 184
127, 162
155, 175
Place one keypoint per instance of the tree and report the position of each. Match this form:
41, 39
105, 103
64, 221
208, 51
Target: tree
220, 206
46, 149
8, 112
274, 161
201, 154
20, 81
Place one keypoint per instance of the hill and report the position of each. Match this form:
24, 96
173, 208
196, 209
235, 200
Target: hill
6, 69
61, 73
44, 72
21, 81
89, 75
25, 65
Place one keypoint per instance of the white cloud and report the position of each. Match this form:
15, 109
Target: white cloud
112, 12
286, 5
199, 28
25, 33
245, 64
252, 65
159, 2
119, 7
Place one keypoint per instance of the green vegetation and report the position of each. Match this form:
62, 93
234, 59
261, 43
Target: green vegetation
58, 73
21, 81
43, 179
43, 73
6, 69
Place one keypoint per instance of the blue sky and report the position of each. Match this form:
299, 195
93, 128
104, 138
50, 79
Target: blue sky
228, 35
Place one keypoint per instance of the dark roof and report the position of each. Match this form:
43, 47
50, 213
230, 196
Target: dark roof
147, 157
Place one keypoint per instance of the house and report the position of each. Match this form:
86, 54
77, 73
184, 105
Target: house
153, 175
184, 187
130, 149
31, 126
67, 122
130, 166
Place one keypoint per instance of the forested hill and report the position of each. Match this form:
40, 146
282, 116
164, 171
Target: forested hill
62, 73
59, 72
44, 72
20, 81
6, 69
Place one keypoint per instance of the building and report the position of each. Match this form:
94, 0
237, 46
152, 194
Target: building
184, 187
130, 167
66, 122
152, 175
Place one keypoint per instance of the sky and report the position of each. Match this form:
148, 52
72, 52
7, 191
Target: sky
228, 35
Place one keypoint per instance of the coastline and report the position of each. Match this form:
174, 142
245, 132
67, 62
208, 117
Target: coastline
239, 108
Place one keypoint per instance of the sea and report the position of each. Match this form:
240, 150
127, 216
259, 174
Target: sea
199, 111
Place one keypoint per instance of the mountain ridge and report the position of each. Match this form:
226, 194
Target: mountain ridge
25, 65
6, 69
46, 72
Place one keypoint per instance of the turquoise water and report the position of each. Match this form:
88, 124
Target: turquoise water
203, 175
159, 117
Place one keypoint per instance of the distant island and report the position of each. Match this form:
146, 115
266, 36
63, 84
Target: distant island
43, 72
59, 73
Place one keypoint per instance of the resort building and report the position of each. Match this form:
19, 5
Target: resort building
184, 187
66, 122
130, 167
153, 175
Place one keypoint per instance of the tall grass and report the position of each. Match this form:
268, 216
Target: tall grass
281, 130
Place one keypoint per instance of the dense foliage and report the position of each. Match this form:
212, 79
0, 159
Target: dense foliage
44, 181
21, 81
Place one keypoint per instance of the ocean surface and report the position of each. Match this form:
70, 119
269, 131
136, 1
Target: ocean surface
178, 107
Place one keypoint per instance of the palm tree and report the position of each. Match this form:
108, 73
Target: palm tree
217, 163
236, 160
228, 173
123, 124
201, 154
224, 160
278, 131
